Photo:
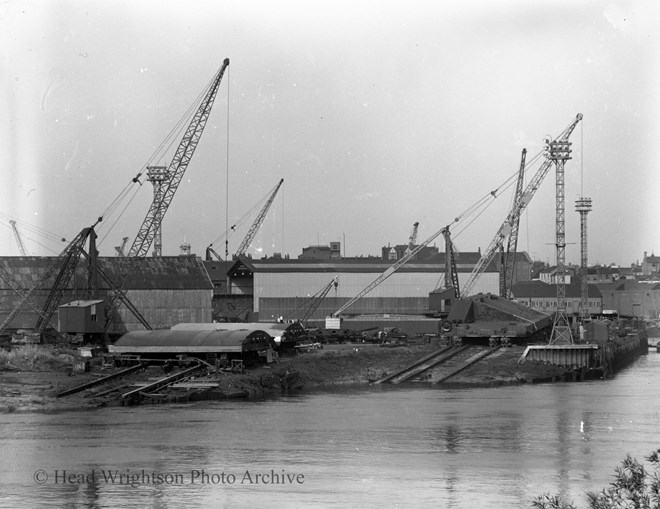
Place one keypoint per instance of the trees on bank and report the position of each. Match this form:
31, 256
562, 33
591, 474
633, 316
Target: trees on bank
634, 487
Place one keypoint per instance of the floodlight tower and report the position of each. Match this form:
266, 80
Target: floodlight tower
559, 151
157, 175
583, 207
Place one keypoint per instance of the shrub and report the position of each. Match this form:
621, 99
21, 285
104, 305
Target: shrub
634, 487
33, 357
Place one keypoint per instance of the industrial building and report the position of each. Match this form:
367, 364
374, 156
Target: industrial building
284, 335
543, 297
166, 290
632, 298
277, 286
205, 344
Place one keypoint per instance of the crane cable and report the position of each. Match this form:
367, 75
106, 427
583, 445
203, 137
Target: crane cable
157, 155
247, 215
480, 206
472, 213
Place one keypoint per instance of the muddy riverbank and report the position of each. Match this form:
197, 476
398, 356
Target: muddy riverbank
32, 385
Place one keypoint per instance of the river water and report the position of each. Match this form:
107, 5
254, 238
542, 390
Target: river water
377, 447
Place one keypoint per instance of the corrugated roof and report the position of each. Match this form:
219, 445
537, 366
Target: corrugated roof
628, 285
536, 288
188, 341
167, 272
272, 329
217, 270
81, 304
359, 265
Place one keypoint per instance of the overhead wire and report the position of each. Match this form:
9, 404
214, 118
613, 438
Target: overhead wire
125, 196
258, 205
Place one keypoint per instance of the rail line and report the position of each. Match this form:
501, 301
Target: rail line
102, 381
423, 364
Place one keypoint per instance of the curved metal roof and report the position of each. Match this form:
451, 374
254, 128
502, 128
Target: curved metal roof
168, 340
272, 329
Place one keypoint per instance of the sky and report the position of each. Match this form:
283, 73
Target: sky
377, 115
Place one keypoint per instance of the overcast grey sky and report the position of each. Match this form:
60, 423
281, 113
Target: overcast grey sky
377, 114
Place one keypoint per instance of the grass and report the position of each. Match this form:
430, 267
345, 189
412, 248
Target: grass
34, 358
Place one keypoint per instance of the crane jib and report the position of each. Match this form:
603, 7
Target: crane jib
526, 197
176, 170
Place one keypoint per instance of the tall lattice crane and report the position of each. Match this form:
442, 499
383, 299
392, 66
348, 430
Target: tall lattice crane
516, 210
62, 269
413, 236
120, 249
210, 251
508, 267
176, 170
166, 190
303, 312
242, 249
451, 272
19, 239
390, 270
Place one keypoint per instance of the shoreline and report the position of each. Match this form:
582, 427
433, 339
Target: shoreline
334, 367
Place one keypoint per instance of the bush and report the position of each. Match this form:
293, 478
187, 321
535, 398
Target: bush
33, 357
634, 487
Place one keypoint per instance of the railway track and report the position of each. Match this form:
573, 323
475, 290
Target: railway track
101, 381
441, 365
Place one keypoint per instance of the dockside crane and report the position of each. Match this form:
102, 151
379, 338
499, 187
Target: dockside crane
303, 312
506, 227
8, 278
390, 270
451, 272
242, 249
121, 248
19, 239
210, 251
62, 268
508, 267
161, 202
413, 236
176, 169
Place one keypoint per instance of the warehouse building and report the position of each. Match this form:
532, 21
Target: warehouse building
285, 336
632, 298
247, 345
278, 286
165, 290
542, 297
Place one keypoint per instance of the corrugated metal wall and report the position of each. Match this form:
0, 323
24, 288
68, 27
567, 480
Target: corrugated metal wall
273, 307
164, 308
405, 286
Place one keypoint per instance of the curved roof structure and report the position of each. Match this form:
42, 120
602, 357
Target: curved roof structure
192, 341
274, 330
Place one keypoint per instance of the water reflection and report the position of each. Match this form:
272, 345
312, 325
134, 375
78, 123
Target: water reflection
409, 447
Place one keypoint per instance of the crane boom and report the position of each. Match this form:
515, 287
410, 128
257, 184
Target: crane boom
13, 284
514, 214
242, 249
509, 265
413, 236
117, 292
176, 169
210, 251
451, 273
315, 301
391, 270
120, 249
19, 239
63, 268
